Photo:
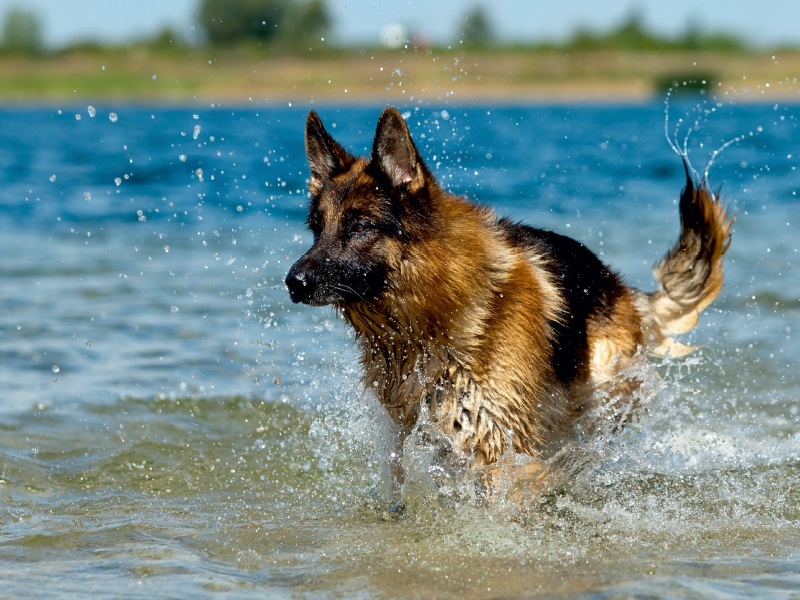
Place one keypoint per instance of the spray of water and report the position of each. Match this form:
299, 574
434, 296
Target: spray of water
682, 150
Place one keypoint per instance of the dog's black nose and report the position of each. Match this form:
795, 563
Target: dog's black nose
300, 283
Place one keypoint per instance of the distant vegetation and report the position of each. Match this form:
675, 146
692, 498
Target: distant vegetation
632, 35
21, 32
477, 31
290, 25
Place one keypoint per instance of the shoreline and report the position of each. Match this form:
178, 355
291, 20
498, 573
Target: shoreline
514, 98
140, 77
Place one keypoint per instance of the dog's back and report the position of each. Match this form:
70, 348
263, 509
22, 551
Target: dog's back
591, 295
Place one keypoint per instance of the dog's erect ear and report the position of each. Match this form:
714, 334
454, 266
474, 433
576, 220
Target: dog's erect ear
395, 153
325, 156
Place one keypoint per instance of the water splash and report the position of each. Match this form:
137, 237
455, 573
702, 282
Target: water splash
682, 150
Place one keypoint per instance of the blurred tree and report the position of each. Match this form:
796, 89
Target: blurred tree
168, 38
288, 22
632, 35
694, 38
22, 32
304, 22
477, 31
228, 21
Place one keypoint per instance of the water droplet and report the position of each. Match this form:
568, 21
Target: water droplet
182, 158
277, 381
118, 181
197, 129
240, 208
77, 117
52, 177
155, 77
87, 195
88, 343
173, 309
260, 445
195, 117
112, 117
166, 248
92, 112
199, 173
56, 368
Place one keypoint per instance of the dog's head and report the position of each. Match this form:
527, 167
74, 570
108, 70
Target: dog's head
363, 213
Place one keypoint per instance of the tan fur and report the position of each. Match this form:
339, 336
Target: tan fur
690, 275
614, 340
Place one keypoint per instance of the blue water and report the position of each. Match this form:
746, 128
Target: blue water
172, 425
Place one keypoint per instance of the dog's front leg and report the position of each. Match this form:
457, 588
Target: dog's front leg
396, 457
469, 416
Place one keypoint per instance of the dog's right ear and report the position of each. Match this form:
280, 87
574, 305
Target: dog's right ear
326, 157
395, 152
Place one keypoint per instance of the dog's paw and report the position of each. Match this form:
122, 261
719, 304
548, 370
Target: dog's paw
515, 479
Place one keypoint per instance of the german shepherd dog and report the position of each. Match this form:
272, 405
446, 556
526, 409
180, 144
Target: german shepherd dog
505, 333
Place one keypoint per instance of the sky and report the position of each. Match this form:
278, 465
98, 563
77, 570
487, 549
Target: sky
764, 22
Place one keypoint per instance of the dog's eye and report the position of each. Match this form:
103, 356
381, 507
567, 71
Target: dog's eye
359, 227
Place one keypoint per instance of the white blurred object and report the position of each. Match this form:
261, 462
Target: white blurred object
393, 35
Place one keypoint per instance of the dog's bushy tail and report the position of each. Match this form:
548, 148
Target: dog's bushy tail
690, 275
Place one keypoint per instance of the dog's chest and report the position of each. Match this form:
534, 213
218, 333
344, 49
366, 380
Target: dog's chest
403, 374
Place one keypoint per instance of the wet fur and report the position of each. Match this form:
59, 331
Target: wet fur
503, 331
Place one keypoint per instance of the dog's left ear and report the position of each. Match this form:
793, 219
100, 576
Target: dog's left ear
395, 153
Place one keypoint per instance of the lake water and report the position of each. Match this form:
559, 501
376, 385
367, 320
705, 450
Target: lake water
172, 426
